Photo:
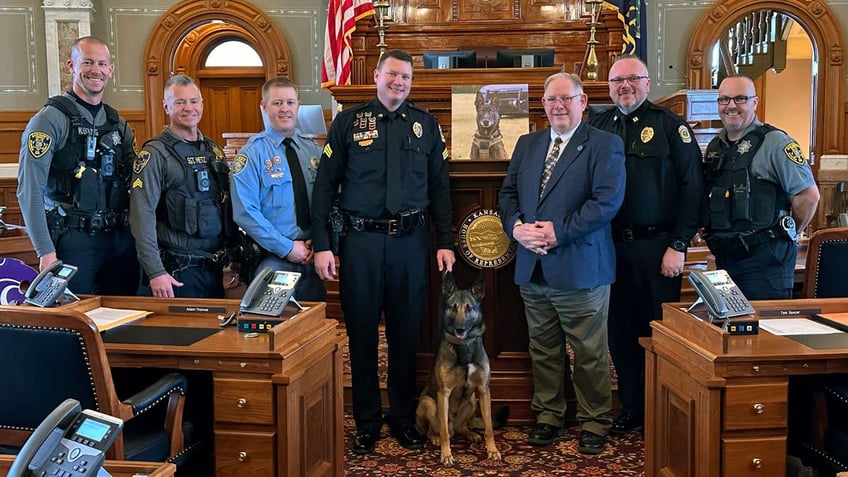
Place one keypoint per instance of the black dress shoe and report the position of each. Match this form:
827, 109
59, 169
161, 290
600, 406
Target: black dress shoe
591, 443
544, 434
365, 442
625, 423
408, 436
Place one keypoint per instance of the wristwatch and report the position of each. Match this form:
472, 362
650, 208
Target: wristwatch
679, 245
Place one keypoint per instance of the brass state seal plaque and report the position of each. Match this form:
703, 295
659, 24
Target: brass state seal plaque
482, 240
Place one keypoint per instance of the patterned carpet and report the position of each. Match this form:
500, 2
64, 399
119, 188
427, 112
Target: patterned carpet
623, 457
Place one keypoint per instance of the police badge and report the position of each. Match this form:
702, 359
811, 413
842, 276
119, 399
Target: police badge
647, 134
743, 147
417, 129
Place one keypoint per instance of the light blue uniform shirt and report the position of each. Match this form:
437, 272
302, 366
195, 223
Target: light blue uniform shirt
262, 193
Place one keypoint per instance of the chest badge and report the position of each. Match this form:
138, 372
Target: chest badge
743, 147
647, 134
417, 129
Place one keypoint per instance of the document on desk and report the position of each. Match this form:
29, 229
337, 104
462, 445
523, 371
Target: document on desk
795, 326
106, 318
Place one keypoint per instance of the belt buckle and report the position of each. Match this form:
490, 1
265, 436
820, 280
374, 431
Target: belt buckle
392, 227
95, 223
627, 235
357, 223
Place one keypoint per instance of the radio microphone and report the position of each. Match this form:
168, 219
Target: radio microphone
680, 73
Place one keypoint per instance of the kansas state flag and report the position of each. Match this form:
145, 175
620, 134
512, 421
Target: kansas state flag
631, 13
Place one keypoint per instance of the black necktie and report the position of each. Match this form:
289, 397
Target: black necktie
394, 140
550, 163
301, 198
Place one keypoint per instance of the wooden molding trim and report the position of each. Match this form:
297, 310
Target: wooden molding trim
827, 36
170, 30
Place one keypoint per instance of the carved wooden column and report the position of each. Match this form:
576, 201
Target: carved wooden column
64, 22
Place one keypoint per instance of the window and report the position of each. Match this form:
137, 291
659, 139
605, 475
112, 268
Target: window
233, 53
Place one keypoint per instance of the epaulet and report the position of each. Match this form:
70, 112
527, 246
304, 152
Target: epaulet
766, 128
357, 107
663, 109
65, 105
416, 108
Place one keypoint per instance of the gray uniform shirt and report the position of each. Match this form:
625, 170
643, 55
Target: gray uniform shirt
46, 133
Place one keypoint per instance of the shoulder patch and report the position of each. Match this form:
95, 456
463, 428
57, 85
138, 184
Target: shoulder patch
794, 153
38, 143
683, 131
140, 161
238, 164
328, 151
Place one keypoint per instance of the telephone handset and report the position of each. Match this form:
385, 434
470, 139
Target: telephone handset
719, 293
270, 292
70, 441
50, 284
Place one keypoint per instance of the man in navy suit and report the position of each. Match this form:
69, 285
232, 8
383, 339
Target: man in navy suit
563, 187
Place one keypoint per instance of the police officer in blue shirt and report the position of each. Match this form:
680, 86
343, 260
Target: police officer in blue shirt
272, 177
389, 158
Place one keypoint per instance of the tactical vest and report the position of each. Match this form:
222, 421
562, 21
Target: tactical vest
92, 170
197, 205
739, 202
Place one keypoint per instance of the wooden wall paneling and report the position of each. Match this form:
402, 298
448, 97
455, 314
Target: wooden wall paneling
12, 125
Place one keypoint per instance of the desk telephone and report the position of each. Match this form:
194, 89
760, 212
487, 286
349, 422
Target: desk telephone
270, 292
719, 293
70, 441
50, 285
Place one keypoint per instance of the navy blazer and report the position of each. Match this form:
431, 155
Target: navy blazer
584, 193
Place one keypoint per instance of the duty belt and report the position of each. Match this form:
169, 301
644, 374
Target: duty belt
741, 245
181, 259
100, 221
402, 223
629, 234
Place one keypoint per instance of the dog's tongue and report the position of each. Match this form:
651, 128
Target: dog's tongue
461, 335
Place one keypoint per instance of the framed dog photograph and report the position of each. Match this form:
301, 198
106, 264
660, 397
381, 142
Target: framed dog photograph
486, 121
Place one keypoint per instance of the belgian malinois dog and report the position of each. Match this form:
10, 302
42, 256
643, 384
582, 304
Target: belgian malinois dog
460, 375
488, 142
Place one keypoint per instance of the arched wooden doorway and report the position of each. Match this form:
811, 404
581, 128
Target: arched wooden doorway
827, 37
172, 28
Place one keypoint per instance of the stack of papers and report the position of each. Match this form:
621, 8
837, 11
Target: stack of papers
106, 318
796, 326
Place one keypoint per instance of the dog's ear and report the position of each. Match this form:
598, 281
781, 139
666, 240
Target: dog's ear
478, 100
478, 288
448, 285
495, 99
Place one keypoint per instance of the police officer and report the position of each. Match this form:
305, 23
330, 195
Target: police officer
179, 201
654, 226
760, 194
389, 158
73, 179
271, 175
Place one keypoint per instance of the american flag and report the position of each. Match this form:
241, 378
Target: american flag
342, 16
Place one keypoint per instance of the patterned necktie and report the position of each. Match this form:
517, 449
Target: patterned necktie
550, 162
301, 197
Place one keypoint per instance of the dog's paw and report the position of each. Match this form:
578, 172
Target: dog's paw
473, 437
447, 459
494, 454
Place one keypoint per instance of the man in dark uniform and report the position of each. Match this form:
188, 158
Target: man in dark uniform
760, 194
652, 230
389, 158
73, 179
179, 209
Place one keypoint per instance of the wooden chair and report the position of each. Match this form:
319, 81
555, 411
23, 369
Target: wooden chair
838, 205
47, 358
827, 264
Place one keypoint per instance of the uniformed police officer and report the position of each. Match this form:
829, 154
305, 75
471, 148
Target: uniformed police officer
73, 179
760, 194
652, 230
389, 158
268, 187
179, 201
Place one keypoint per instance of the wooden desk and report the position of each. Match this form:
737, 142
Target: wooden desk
717, 405
118, 468
277, 397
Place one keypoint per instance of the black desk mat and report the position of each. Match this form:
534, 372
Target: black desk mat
829, 341
157, 335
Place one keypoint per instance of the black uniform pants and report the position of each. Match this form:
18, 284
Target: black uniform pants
385, 274
767, 274
635, 300
106, 261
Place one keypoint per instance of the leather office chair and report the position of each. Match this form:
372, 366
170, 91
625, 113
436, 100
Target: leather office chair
838, 205
826, 264
47, 358
825, 431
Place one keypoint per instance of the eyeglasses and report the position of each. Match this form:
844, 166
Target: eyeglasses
632, 79
725, 100
566, 100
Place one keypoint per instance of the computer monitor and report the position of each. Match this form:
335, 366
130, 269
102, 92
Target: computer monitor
310, 120
525, 58
450, 59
